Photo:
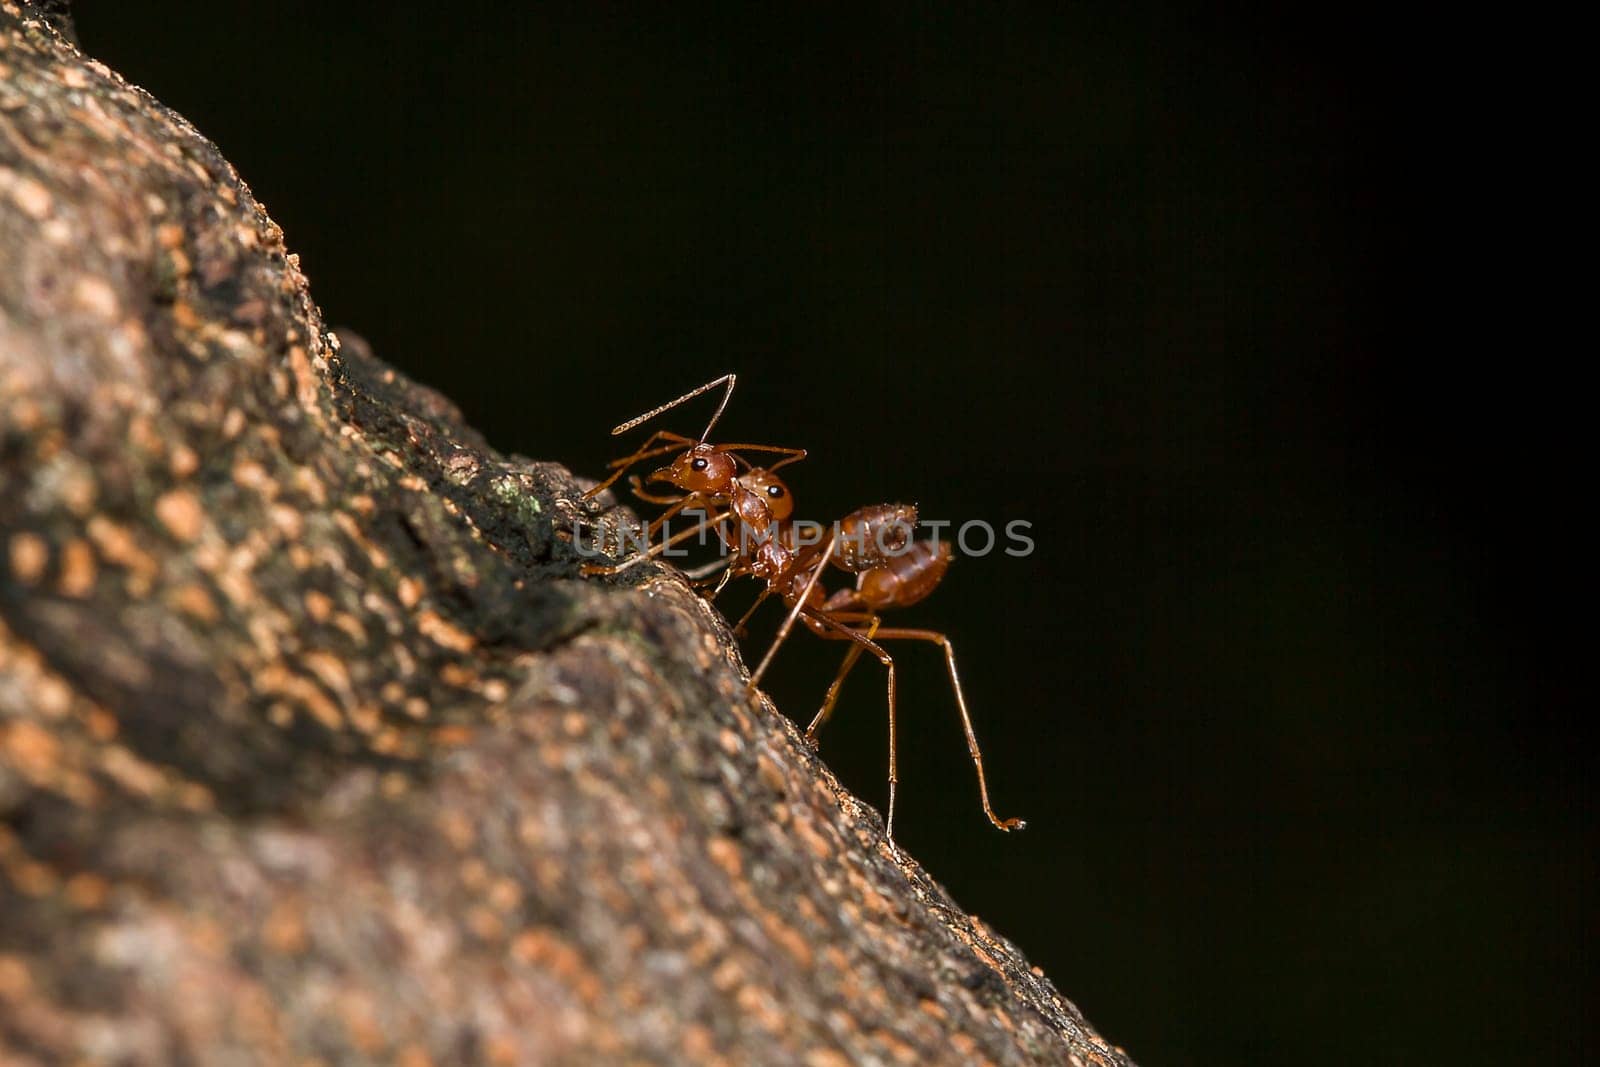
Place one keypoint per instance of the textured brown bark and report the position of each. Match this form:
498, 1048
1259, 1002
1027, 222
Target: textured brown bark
314, 747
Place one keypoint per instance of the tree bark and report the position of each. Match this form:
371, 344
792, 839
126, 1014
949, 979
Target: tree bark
314, 746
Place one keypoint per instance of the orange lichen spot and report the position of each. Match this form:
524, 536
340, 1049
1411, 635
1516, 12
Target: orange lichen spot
456, 828
771, 776
284, 930
29, 556
698, 1044
505, 895
495, 690
931, 1008
318, 605
305, 378
963, 1044
725, 854
453, 735
288, 521
727, 976
826, 1057
757, 1006
413, 1056
180, 512
169, 235
819, 845
432, 626
277, 679
474, 873
458, 676
101, 724
77, 490
366, 719
409, 591
730, 743
33, 879
485, 924
502, 1051
86, 891
575, 724
788, 938
185, 316
31, 749
192, 796
248, 474
131, 772
31, 197
119, 546
78, 569
16, 980
386, 741
331, 672
361, 1021
95, 297
195, 601
52, 697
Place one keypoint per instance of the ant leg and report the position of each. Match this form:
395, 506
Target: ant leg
645, 452
678, 504
832, 698
648, 497
650, 553
707, 571
738, 627
791, 455
837, 631
794, 613
809, 554
961, 703
722, 583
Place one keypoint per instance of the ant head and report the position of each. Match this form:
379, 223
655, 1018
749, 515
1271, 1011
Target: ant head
770, 488
702, 469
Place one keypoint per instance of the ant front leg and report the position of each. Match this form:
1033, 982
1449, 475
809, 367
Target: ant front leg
653, 551
837, 631
850, 658
676, 442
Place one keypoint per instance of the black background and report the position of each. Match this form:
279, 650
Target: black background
1221, 306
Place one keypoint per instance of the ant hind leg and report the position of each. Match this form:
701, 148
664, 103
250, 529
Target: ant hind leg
934, 637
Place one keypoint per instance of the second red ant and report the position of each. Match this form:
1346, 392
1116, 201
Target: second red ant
873, 543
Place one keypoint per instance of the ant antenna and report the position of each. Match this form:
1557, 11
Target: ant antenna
706, 388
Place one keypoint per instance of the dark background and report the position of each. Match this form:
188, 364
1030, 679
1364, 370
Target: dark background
1224, 307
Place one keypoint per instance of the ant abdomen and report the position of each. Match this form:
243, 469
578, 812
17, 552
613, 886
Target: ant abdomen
871, 536
901, 580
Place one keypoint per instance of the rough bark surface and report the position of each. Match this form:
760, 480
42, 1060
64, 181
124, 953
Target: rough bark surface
314, 747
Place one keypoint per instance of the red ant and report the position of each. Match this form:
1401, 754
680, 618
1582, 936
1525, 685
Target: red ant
708, 474
873, 543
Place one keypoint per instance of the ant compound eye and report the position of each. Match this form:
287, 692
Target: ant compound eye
775, 492
700, 464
